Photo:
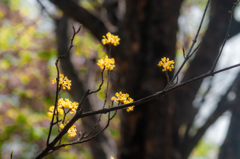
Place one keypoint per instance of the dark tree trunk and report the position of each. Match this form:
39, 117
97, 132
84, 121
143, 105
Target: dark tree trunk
231, 145
148, 33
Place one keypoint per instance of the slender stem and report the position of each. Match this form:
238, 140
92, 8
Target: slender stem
102, 81
189, 54
56, 101
226, 36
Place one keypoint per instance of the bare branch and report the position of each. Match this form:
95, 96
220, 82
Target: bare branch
43, 8
100, 86
226, 36
190, 53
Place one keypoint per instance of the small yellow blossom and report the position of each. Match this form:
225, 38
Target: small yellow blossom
110, 39
66, 103
72, 131
166, 64
60, 110
112, 158
64, 82
106, 63
51, 109
130, 108
124, 99
61, 126
62, 104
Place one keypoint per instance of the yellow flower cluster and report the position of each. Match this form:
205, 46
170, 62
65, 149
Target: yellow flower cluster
71, 132
51, 109
166, 64
72, 106
64, 82
110, 39
107, 63
124, 99
62, 104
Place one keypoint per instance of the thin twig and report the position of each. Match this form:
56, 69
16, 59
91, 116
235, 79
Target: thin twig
226, 36
184, 53
57, 122
56, 102
189, 54
195, 50
106, 93
79, 109
57, 87
43, 8
100, 86
75, 32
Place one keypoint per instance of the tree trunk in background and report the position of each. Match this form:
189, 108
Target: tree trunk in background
148, 33
231, 145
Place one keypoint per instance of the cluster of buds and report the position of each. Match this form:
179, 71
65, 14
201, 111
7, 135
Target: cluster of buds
110, 39
123, 98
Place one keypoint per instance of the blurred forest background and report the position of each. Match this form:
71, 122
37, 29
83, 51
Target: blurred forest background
33, 33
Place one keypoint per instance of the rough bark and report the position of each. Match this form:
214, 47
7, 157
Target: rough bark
148, 33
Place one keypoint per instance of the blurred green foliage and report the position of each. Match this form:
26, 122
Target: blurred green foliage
27, 67
204, 149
